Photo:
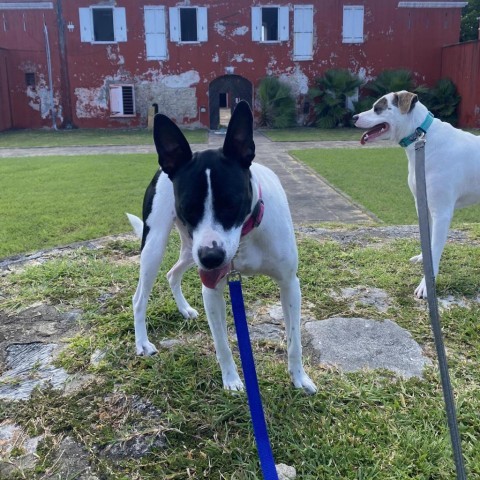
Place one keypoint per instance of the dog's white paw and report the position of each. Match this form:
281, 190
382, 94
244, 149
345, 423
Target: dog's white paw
188, 312
232, 382
302, 380
146, 349
417, 259
421, 290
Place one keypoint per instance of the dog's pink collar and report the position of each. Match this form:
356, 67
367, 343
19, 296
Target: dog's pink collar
256, 216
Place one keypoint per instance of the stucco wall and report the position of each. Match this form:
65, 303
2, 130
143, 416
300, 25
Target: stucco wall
394, 37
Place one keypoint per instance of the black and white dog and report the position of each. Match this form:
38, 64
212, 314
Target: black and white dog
452, 161
216, 199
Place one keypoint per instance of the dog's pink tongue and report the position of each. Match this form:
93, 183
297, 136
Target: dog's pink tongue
210, 278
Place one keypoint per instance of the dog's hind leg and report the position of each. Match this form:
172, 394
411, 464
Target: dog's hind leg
440, 225
290, 295
174, 277
215, 309
160, 223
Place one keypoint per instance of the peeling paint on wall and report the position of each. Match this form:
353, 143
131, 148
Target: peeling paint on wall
240, 31
240, 57
91, 102
297, 80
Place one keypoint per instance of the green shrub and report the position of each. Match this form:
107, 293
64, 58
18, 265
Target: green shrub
277, 104
442, 100
329, 97
386, 82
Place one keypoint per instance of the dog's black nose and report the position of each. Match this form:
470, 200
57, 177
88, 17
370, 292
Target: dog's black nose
211, 257
354, 119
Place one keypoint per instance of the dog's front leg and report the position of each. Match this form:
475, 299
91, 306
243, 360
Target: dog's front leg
174, 277
215, 306
290, 295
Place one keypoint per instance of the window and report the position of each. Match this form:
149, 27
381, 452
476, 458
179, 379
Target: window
103, 25
188, 24
353, 24
269, 24
122, 101
155, 33
303, 32
30, 79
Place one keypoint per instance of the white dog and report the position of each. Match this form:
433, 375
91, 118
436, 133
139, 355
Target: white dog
226, 210
452, 161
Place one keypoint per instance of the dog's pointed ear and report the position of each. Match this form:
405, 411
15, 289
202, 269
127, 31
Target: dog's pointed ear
172, 146
239, 144
405, 101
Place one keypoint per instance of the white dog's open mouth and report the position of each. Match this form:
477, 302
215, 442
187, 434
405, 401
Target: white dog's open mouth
211, 278
374, 132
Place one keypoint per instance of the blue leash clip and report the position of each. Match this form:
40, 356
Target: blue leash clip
260, 431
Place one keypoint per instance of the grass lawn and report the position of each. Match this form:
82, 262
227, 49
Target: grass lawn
99, 136
375, 178
359, 426
310, 134
51, 201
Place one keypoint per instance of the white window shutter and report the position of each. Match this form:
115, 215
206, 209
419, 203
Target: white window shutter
174, 20
86, 31
202, 24
283, 26
303, 32
353, 24
116, 100
120, 24
155, 33
256, 24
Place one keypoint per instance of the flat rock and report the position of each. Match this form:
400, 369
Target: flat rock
30, 366
355, 344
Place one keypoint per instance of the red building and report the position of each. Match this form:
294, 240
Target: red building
104, 63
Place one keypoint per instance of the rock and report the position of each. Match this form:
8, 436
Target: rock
71, 461
368, 296
355, 344
12, 436
30, 366
286, 472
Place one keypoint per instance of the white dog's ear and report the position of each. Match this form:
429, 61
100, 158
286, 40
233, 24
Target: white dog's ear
405, 101
172, 146
239, 144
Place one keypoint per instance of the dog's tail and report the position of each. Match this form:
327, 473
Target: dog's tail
137, 225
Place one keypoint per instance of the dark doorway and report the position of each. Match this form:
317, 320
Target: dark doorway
224, 93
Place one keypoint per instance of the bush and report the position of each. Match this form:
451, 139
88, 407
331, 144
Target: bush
386, 82
330, 96
442, 100
277, 104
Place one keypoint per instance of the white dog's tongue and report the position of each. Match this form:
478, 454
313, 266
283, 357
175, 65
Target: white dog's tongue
210, 278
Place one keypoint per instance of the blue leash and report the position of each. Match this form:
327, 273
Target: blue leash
265, 454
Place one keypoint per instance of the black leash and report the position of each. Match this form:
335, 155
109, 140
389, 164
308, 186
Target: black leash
423, 218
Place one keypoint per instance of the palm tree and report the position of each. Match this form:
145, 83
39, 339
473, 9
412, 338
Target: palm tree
330, 97
277, 104
442, 100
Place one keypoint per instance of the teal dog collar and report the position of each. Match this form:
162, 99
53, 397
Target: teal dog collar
419, 132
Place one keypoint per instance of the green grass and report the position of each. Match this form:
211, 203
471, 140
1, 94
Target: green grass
310, 134
84, 137
367, 425
375, 178
51, 201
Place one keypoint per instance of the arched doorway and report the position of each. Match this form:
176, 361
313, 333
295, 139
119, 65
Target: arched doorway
224, 93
